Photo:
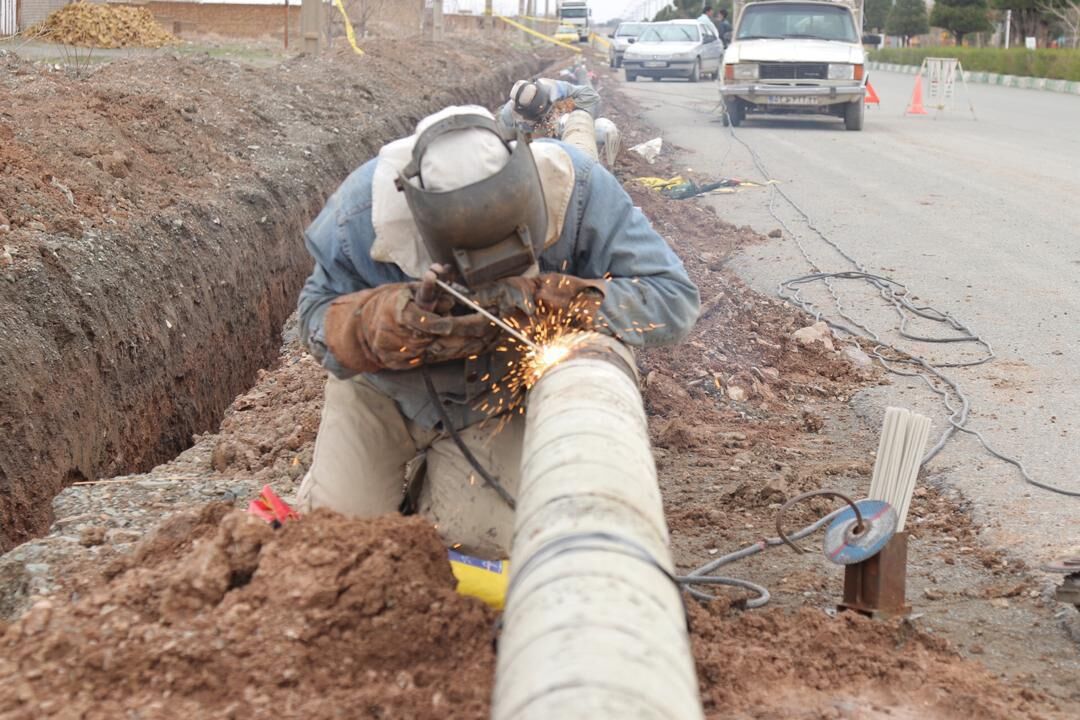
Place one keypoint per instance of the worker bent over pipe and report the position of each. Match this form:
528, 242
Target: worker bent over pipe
521, 227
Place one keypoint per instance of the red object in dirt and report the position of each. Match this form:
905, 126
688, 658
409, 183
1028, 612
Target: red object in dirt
871, 96
272, 508
916, 108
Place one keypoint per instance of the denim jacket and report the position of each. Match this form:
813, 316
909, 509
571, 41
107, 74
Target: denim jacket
603, 234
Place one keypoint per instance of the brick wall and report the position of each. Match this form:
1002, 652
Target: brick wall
229, 20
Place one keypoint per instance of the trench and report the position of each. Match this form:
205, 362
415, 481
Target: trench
116, 350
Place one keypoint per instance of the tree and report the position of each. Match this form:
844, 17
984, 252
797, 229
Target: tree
907, 19
1030, 18
1067, 15
876, 12
961, 17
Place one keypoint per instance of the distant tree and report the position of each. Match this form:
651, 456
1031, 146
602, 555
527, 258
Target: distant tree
1030, 18
1067, 15
961, 17
907, 19
876, 12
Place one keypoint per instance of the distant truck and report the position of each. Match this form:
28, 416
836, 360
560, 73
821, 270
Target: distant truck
796, 56
578, 14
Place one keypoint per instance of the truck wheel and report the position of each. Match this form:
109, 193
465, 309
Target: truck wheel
630, 77
695, 74
853, 115
734, 112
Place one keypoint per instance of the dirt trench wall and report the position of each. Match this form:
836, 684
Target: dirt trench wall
150, 239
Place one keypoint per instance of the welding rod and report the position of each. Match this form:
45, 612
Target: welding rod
493, 318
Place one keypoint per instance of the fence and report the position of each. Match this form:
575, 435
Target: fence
9, 17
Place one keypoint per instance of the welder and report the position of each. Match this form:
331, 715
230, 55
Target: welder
534, 106
521, 227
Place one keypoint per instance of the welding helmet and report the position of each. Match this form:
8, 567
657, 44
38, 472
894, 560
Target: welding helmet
531, 100
489, 229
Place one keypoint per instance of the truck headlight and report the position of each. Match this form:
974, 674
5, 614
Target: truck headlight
745, 71
841, 71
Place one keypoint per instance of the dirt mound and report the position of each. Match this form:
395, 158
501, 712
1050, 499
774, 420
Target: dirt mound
220, 616
102, 26
777, 664
217, 615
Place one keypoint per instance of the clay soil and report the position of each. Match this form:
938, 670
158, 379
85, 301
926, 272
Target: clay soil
150, 223
216, 615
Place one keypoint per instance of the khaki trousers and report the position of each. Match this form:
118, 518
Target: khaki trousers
359, 468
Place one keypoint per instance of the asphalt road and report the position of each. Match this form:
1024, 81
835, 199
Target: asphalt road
980, 218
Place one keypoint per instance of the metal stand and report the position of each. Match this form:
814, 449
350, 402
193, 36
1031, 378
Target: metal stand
877, 586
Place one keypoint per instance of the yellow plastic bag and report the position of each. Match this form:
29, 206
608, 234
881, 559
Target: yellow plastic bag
483, 579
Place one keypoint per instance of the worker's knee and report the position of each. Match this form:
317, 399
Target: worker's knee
360, 452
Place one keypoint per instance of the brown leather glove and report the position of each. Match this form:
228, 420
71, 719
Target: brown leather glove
546, 293
383, 329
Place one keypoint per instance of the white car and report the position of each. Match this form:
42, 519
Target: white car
624, 36
796, 56
678, 48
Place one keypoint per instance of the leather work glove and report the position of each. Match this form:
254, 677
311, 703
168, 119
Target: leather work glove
546, 293
383, 329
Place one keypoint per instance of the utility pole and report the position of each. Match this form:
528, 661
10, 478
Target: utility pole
436, 20
1008, 27
286, 24
489, 16
310, 12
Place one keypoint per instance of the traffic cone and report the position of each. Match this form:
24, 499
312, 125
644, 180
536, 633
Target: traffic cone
871, 96
916, 108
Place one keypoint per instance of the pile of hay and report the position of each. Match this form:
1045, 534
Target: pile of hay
103, 26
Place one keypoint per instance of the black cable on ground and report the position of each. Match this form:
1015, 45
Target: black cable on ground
448, 425
889, 356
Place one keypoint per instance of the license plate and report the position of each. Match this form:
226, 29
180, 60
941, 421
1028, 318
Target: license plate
656, 64
792, 100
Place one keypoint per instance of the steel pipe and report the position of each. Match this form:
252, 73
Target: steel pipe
594, 625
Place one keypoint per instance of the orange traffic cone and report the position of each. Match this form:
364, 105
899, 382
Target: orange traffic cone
916, 108
871, 96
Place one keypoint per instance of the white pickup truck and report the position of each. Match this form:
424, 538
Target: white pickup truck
796, 56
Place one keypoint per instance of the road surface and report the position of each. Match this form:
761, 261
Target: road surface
980, 218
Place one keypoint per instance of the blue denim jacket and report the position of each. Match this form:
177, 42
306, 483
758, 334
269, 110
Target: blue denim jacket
603, 234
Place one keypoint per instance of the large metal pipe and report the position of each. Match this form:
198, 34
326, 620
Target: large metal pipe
594, 626
580, 131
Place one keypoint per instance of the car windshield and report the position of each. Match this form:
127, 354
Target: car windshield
819, 22
670, 33
629, 30
566, 29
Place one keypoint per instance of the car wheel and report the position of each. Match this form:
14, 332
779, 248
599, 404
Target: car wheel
735, 111
618, 62
853, 115
695, 74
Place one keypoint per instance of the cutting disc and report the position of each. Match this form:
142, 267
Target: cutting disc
844, 546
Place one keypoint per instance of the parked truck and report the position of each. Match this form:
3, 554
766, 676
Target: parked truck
578, 14
796, 56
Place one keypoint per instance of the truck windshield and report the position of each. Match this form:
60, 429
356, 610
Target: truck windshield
629, 30
574, 12
792, 20
670, 33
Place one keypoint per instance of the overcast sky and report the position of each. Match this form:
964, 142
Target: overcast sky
602, 9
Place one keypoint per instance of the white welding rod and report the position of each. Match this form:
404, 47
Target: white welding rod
493, 318
900, 452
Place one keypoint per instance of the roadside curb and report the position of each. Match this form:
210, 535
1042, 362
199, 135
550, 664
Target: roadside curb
1069, 87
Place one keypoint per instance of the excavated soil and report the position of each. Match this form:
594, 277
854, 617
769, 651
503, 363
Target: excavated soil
217, 615
220, 616
150, 224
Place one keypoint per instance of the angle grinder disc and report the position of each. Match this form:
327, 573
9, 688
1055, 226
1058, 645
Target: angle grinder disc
845, 547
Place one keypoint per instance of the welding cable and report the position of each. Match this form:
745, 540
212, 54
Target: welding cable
448, 425
956, 402
701, 576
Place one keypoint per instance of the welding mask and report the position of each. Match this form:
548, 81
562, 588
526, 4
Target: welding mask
531, 100
490, 229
